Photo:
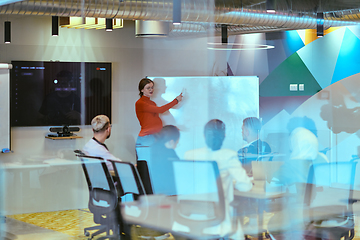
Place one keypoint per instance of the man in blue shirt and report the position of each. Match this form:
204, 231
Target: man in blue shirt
255, 148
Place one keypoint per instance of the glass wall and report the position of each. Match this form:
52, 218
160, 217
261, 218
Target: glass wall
42, 180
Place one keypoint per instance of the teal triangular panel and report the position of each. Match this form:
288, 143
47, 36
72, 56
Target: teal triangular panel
348, 62
291, 71
320, 56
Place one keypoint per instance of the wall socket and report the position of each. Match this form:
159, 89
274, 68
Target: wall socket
293, 87
301, 87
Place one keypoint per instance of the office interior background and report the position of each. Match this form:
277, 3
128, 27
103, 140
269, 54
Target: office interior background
303, 75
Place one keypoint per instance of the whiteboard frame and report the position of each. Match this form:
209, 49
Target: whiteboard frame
5, 141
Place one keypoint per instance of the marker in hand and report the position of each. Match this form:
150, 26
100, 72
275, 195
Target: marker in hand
183, 91
179, 98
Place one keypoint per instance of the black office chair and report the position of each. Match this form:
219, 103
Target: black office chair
200, 197
79, 153
328, 200
129, 182
103, 198
143, 170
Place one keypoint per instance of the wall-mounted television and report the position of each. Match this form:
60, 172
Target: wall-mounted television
59, 93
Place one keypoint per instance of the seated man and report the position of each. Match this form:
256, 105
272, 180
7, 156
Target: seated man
231, 171
255, 148
96, 146
161, 173
160, 166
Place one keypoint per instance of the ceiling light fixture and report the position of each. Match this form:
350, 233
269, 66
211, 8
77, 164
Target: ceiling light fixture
320, 24
224, 35
55, 26
176, 12
109, 24
238, 46
89, 23
270, 6
7, 32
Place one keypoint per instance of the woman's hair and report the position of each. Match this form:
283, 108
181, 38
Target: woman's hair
304, 122
143, 83
214, 132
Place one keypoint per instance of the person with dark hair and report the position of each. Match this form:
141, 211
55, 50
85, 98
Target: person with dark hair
304, 122
169, 136
159, 164
255, 148
148, 115
233, 175
96, 146
293, 174
161, 175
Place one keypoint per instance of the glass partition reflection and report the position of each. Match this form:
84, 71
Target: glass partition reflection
41, 177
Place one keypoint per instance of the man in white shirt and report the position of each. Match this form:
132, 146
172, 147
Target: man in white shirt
233, 175
96, 146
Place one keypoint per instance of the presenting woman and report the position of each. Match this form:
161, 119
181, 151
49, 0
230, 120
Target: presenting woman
148, 115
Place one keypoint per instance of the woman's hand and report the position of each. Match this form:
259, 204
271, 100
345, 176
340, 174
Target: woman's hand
179, 98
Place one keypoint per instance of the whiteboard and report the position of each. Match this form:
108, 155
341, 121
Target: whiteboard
228, 98
5, 105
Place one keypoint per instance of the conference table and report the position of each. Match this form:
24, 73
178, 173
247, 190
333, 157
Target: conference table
262, 196
156, 211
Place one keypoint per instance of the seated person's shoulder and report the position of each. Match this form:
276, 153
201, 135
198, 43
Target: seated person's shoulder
321, 158
243, 150
229, 151
267, 148
195, 154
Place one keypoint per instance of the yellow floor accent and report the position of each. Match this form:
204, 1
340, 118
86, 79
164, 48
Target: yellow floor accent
73, 222
70, 222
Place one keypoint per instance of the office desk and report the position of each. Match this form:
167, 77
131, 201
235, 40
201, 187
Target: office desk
152, 211
261, 197
43, 185
293, 211
157, 212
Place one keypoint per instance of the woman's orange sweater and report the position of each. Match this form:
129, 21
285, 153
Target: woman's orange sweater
148, 115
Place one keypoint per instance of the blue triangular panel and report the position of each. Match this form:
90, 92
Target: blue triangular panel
355, 30
348, 62
320, 56
292, 42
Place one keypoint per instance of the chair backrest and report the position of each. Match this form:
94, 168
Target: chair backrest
79, 153
129, 179
143, 170
103, 193
200, 194
330, 186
